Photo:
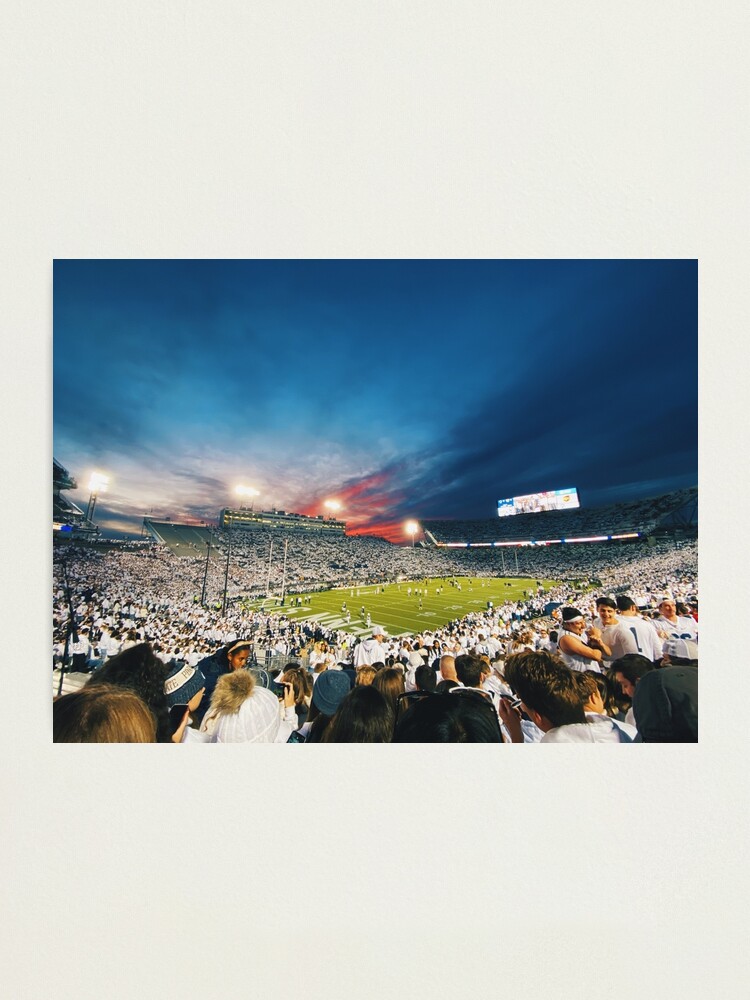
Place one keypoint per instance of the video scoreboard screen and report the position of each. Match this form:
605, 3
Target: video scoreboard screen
533, 502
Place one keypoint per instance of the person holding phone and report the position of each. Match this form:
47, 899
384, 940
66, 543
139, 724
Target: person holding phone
242, 711
184, 689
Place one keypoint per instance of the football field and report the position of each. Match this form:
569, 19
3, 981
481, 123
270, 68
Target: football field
400, 607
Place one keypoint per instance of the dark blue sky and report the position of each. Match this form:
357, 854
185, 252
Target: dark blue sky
402, 388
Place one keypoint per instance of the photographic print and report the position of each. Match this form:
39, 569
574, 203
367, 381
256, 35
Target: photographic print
375, 501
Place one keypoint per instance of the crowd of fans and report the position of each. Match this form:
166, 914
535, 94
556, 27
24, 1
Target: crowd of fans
585, 671
634, 515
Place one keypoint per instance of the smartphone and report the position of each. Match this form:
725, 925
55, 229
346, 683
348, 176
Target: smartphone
514, 702
176, 715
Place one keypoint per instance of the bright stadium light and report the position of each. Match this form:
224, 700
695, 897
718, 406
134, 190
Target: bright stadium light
97, 484
411, 528
247, 491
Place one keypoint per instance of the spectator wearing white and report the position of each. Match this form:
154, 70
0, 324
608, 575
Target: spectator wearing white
612, 634
636, 634
243, 712
670, 625
371, 650
410, 670
575, 653
552, 698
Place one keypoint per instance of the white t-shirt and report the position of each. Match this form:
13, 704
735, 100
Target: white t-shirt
684, 628
636, 635
575, 660
599, 729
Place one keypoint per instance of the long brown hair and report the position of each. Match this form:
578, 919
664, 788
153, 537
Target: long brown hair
102, 713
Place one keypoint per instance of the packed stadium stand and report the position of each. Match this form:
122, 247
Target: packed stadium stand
675, 510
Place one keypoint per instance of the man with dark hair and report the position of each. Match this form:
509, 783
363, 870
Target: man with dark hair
606, 609
469, 669
449, 719
627, 672
635, 634
552, 698
573, 650
424, 678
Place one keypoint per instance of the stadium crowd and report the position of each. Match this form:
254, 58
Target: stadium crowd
614, 663
634, 515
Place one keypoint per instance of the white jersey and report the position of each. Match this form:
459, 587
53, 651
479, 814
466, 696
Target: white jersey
683, 628
636, 635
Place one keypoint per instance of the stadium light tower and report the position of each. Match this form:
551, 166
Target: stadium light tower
97, 484
247, 491
411, 528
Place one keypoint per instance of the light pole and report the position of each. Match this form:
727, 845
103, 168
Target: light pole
411, 528
268, 581
205, 571
97, 484
226, 569
283, 575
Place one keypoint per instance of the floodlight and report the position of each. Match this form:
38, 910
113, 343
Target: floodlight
411, 528
98, 482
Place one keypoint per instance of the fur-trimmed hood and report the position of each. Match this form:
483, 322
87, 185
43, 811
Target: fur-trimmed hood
232, 690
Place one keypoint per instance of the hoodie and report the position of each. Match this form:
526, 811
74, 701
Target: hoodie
369, 651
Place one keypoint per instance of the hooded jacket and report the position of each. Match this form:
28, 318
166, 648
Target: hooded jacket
369, 651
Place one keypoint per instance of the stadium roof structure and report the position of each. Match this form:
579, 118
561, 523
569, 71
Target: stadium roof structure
61, 478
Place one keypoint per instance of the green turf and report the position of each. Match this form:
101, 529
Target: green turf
400, 614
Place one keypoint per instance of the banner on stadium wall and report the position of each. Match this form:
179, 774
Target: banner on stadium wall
532, 503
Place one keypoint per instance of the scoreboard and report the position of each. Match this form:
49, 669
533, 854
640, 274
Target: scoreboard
534, 502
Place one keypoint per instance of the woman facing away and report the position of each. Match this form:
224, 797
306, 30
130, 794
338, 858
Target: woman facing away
364, 716
139, 669
102, 713
243, 712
